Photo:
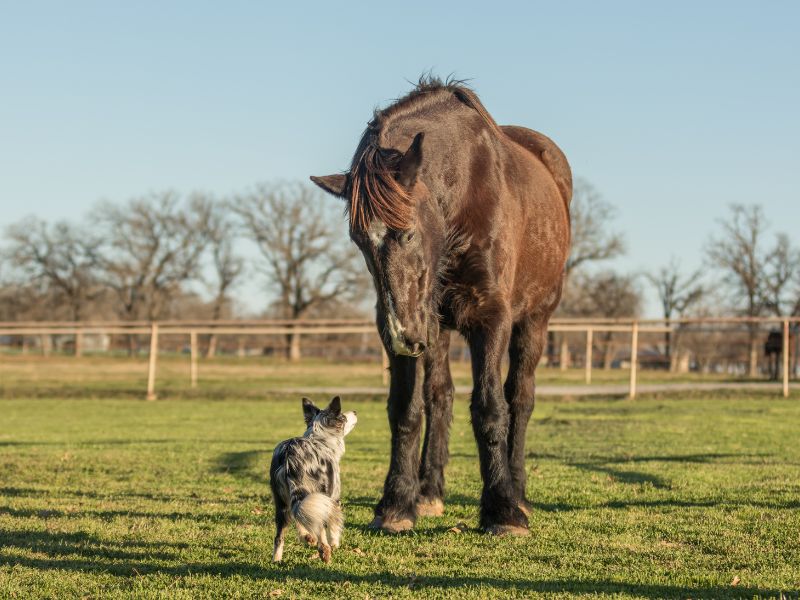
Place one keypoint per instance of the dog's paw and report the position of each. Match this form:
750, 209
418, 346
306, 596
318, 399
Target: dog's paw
325, 553
309, 539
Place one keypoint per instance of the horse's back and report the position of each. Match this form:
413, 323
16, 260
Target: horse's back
546, 151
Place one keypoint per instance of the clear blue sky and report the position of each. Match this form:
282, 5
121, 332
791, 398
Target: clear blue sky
672, 110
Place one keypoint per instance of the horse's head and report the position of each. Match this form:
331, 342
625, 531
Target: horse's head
401, 233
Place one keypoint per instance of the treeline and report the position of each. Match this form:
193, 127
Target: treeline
747, 270
164, 256
167, 256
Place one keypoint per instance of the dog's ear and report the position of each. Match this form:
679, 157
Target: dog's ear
336, 405
309, 411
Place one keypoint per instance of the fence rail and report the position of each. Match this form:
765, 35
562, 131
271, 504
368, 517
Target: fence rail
277, 327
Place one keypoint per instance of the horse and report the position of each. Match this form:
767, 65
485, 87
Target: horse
773, 350
464, 226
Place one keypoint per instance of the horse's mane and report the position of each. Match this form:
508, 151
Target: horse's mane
376, 194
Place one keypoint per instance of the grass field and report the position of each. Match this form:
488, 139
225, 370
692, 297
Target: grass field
658, 497
228, 376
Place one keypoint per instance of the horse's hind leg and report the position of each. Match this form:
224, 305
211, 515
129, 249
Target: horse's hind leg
438, 414
528, 339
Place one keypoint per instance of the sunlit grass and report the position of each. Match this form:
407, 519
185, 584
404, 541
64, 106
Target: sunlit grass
249, 376
659, 497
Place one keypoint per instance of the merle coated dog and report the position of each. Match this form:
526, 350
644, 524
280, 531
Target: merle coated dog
304, 476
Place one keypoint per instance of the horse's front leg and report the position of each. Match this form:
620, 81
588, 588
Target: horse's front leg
438, 415
397, 510
500, 512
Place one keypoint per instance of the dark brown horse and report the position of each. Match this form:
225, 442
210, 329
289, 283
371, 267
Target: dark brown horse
464, 225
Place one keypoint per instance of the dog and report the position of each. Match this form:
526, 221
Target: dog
304, 477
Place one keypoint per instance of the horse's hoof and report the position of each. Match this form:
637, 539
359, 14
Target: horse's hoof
430, 508
500, 530
397, 526
376, 523
526, 507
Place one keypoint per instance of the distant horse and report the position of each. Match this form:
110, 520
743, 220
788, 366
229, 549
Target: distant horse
464, 225
773, 349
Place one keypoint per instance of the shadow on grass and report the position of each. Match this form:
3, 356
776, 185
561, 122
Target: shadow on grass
672, 458
82, 545
109, 515
249, 464
19, 492
667, 503
81, 554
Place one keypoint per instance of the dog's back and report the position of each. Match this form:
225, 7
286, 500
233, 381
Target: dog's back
301, 467
304, 477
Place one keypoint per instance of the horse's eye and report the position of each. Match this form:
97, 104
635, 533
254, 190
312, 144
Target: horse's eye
408, 236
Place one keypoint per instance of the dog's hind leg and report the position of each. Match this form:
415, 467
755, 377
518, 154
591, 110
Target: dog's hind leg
335, 527
322, 546
282, 517
305, 536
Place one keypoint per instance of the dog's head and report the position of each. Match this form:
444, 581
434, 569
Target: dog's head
329, 421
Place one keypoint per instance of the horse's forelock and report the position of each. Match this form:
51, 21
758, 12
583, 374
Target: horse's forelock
376, 194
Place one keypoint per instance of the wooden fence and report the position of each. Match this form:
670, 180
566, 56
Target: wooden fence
191, 329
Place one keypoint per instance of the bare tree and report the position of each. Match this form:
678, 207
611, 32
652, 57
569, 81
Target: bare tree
152, 245
228, 266
62, 258
606, 294
593, 239
677, 294
308, 259
737, 252
781, 276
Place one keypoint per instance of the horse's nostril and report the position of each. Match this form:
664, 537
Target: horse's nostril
418, 347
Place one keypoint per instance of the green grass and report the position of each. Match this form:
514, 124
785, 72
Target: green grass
228, 376
659, 497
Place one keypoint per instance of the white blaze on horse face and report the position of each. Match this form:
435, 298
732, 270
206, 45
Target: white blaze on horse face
377, 232
396, 330
377, 235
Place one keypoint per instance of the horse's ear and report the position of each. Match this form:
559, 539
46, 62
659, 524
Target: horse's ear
409, 165
333, 184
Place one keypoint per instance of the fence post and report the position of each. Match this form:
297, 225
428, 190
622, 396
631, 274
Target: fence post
384, 366
786, 358
634, 356
46, 341
588, 365
193, 352
151, 370
78, 344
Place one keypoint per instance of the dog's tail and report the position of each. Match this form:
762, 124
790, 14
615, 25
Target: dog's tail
315, 511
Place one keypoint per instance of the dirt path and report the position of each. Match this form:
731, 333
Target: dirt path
563, 390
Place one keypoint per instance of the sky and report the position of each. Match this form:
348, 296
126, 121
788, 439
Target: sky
672, 110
